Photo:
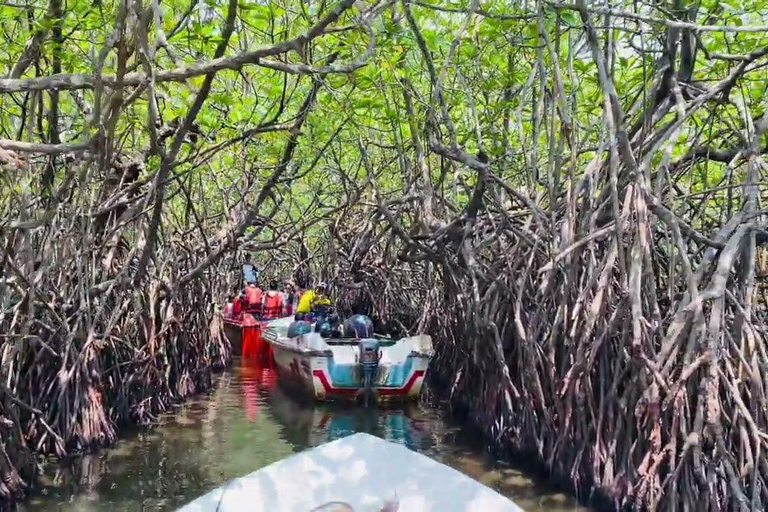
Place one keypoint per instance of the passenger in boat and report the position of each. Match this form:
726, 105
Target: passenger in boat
274, 302
313, 298
321, 297
249, 271
253, 296
323, 326
291, 295
327, 322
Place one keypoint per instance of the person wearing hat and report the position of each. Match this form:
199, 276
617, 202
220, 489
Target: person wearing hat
313, 298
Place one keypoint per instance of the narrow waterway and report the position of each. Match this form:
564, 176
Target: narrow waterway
246, 422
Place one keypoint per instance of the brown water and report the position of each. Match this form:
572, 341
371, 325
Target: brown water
247, 422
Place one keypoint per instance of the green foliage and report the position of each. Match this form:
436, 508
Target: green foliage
499, 66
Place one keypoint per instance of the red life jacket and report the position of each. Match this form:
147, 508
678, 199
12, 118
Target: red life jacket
253, 295
228, 310
273, 304
237, 307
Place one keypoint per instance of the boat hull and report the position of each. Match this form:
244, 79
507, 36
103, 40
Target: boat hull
234, 333
323, 378
246, 340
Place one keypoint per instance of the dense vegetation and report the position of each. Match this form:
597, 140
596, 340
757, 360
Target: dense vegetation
569, 197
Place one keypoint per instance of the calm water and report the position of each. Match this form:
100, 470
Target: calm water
245, 423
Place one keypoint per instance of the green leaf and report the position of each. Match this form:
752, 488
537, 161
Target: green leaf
570, 18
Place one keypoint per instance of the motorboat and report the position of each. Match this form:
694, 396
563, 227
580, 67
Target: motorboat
244, 332
345, 368
354, 474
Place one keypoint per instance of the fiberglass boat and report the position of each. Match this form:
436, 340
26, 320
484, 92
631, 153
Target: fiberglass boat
343, 368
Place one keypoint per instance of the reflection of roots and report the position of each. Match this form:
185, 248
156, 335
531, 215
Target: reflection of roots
89, 470
16, 463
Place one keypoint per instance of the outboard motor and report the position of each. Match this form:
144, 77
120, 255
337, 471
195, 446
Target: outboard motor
369, 365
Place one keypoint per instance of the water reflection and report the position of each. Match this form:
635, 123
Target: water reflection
255, 378
248, 421
306, 425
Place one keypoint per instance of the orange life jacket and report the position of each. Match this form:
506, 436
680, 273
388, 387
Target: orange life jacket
253, 295
273, 304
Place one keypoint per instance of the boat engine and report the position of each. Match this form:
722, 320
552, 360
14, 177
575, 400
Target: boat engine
369, 365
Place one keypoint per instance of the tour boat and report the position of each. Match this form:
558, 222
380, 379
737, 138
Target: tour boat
345, 368
244, 333
354, 474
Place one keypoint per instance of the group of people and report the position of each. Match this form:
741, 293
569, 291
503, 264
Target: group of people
276, 301
282, 299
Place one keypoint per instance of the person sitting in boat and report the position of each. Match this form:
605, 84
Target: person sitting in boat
327, 322
358, 326
228, 307
253, 297
314, 300
324, 328
274, 302
237, 306
249, 271
291, 295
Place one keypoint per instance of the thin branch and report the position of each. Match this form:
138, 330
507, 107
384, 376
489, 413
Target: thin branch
182, 73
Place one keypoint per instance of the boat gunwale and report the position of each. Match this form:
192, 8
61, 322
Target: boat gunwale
239, 323
377, 446
271, 336
329, 353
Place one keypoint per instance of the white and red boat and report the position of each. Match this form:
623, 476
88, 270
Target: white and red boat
339, 368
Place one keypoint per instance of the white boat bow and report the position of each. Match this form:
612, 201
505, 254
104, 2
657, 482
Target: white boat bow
362, 471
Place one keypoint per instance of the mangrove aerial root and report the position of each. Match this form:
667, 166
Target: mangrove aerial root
603, 323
